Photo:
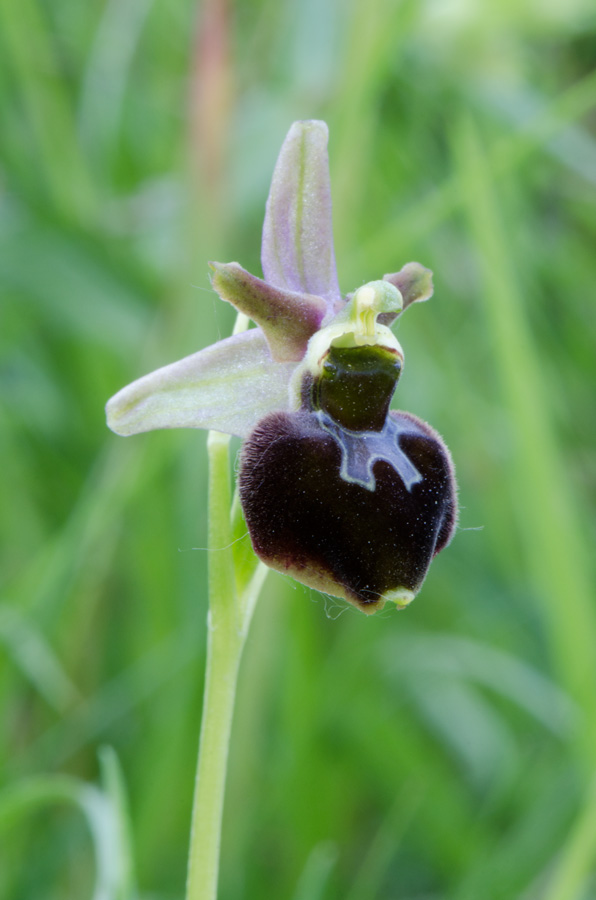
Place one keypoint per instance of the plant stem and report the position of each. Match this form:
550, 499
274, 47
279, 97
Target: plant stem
223, 658
230, 604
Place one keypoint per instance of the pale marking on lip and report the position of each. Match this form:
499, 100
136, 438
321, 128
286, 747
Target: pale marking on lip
360, 450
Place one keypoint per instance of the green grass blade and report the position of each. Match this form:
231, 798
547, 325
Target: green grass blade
547, 520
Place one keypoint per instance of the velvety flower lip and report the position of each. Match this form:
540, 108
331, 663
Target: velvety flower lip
369, 547
232, 384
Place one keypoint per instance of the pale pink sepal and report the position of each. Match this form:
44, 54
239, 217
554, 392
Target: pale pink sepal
297, 252
227, 387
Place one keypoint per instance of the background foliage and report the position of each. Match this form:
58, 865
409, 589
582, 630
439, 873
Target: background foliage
448, 752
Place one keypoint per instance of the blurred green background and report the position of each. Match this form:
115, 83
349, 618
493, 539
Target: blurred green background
449, 752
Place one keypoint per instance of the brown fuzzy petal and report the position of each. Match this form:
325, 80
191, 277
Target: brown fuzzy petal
288, 319
415, 284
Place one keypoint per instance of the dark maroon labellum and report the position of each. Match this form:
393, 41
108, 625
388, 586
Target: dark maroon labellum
357, 512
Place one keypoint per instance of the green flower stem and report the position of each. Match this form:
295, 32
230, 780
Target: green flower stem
234, 583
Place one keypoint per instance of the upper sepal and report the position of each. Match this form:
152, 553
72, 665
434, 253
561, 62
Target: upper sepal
297, 251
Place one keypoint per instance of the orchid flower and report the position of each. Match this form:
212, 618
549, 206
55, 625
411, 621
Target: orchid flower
337, 491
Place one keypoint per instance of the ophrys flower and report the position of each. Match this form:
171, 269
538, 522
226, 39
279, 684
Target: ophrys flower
337, 490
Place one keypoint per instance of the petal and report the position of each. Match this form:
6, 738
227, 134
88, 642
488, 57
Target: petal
297, 252
226, 387
415, 284
287, 318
